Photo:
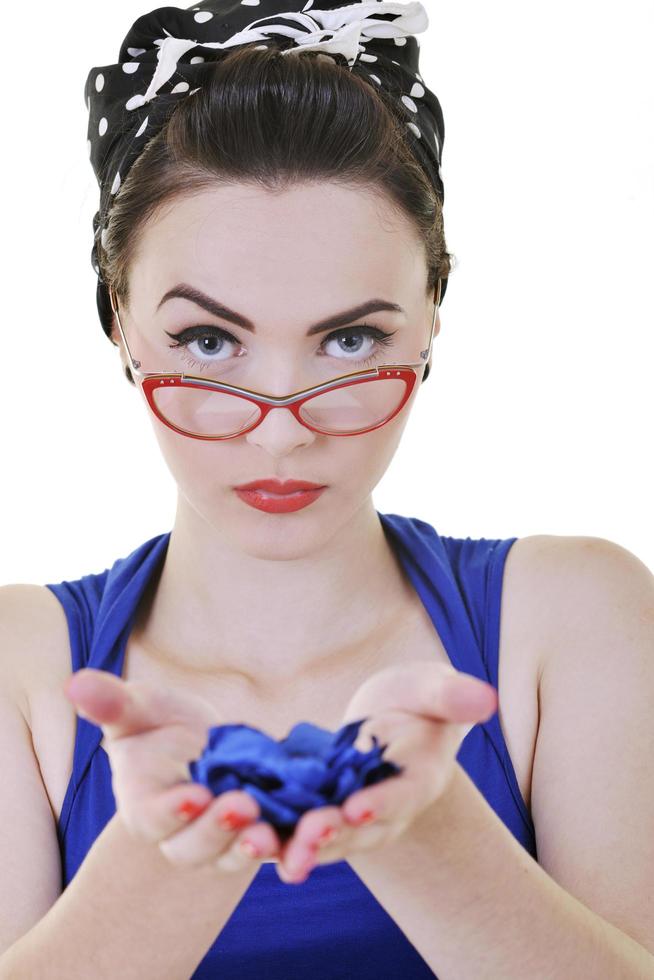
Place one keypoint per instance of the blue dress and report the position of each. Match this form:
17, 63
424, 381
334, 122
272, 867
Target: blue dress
331, 927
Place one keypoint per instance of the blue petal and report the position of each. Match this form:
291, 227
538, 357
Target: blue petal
310, 768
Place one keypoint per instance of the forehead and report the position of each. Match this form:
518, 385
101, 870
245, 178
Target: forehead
317, 236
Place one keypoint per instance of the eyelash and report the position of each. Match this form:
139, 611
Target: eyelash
187, 336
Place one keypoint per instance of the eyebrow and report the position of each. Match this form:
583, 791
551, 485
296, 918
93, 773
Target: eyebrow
216, 308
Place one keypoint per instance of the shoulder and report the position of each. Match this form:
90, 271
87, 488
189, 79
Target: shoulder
34, 641
573, 577
599, 598
546, 553
561, 587
566, 570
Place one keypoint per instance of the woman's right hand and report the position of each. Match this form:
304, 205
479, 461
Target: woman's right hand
150, 735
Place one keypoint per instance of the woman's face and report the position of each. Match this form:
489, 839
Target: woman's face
284, 261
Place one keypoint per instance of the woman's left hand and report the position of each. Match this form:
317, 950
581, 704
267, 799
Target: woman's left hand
421, 712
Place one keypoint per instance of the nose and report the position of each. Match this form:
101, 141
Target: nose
279, 433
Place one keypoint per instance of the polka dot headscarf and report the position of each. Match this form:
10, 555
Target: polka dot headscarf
168, 53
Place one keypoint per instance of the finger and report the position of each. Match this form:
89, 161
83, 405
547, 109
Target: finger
149, 763
153, 753
131, 707
428, 764
258, 842
468, 699
434, 690
213, 831
158, 817
316, 831
424, 750
386, 804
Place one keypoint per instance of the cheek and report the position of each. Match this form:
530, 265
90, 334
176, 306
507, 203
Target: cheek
354, 464
198, 466
365, 460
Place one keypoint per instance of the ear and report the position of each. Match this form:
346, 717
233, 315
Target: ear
437, 327
123, 355
126, 366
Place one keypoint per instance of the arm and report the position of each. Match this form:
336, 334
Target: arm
474, 903
462, 888
128, 911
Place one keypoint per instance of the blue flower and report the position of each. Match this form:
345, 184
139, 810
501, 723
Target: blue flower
312, 767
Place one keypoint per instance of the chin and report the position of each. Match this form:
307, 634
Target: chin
275, 538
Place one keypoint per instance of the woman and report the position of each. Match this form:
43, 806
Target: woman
271, 228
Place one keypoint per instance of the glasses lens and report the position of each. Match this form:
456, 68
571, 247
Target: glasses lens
353, 408
202, 412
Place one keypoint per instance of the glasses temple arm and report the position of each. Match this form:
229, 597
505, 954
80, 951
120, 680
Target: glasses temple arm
424, 354
114, 306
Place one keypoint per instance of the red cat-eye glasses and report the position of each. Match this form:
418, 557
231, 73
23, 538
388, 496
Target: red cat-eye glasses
181, 401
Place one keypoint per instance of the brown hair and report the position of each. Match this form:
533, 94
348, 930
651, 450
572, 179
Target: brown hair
275, 120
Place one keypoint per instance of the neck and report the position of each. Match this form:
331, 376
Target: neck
217, 609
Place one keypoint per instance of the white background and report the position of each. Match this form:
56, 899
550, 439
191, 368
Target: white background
537, 415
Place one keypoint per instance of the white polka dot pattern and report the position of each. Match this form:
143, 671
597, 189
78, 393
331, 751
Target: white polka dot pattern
168, 54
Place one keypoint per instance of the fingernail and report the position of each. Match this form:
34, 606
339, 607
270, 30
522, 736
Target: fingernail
250, 849
327, 836
364, 817
190, 809
231, 820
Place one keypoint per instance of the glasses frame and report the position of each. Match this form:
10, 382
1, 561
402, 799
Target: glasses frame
408, 373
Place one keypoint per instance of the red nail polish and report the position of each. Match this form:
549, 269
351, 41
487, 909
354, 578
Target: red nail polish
231, 820
250, 849
189, 809
365, 817
327, 835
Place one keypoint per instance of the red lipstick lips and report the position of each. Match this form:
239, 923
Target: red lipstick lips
273, 485
287, 496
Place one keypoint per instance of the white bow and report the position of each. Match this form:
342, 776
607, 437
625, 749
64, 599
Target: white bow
348, 25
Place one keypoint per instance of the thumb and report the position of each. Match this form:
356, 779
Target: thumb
469, 699
120, 707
